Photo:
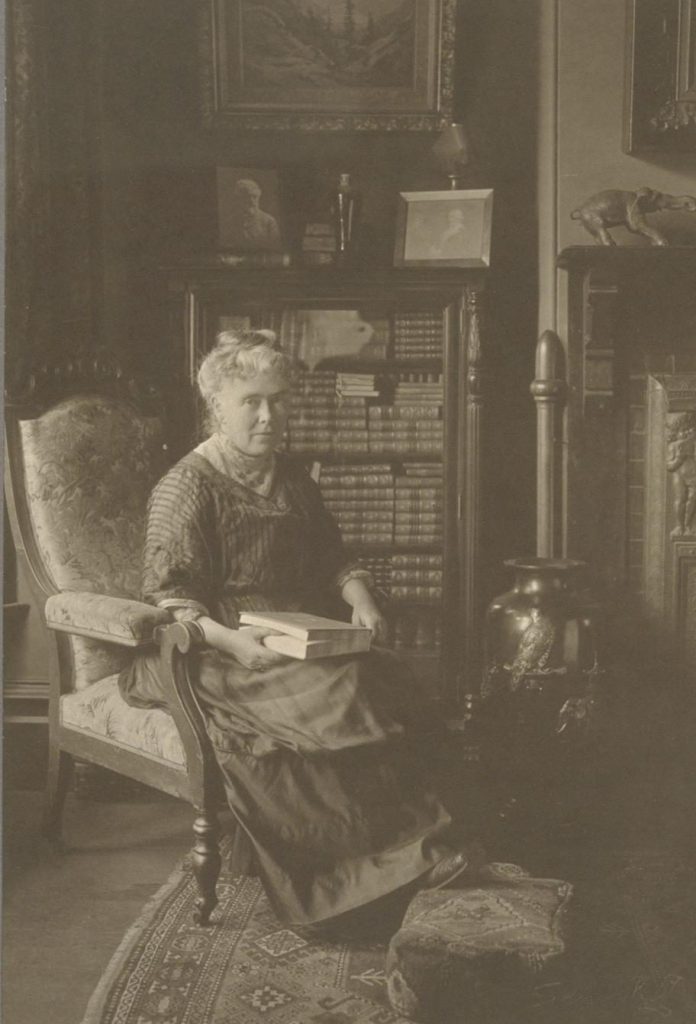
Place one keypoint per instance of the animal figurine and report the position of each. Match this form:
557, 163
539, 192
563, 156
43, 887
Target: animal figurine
615, 207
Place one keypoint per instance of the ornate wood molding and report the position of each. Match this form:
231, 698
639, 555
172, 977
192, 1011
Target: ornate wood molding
50, 381
549, 390
670, 501
472, 503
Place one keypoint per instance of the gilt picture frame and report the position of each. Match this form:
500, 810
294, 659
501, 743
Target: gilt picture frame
289, 65
444, 229
660, 77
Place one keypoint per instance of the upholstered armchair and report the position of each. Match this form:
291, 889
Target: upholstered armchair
84, 447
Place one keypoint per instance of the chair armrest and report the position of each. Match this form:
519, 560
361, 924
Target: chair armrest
117, 620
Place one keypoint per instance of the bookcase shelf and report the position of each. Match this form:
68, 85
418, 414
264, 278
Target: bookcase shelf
434, 400
365, 458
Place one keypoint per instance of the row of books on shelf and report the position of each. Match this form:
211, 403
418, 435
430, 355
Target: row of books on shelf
375, 504
336, 412
417, 336
412, 576
414, 631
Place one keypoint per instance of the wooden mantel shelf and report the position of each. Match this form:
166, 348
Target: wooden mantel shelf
627, 258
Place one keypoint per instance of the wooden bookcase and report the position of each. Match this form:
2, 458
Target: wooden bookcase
390, 328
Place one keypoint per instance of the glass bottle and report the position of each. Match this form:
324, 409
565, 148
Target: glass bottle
346, 208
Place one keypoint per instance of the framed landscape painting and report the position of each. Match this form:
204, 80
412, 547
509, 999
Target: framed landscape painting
349, 65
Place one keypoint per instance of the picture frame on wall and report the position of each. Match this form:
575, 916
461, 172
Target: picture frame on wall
660, 85
444, 229
249, 211
290, 65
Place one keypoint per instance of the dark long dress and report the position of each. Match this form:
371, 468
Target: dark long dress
319, 759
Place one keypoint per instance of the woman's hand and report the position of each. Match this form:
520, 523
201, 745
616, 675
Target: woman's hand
368, 614
366, 611
244, 645
250, 651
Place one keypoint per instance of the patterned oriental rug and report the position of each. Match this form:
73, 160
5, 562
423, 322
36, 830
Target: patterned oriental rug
635, 961
245, 968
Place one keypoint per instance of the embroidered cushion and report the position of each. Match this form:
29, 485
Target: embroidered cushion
478, 955
101, 709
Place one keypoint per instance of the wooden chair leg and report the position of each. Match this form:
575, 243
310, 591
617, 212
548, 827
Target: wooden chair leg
60, 772
206, 865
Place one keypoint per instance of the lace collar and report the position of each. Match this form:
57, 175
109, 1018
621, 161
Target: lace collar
257, 472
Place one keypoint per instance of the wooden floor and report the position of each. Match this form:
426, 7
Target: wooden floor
64, 915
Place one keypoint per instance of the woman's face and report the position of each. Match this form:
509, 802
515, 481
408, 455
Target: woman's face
253, 413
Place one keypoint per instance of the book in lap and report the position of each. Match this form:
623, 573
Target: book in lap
306, 636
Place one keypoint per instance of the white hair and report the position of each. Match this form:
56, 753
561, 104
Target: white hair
239, 356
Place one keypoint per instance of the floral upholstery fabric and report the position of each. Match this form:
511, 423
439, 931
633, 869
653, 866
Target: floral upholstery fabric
89, 465
114, 619
101, 709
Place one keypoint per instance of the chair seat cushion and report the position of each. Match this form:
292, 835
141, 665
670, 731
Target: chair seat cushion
479, 954
101, 709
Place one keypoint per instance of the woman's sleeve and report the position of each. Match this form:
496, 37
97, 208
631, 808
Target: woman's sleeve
178, 563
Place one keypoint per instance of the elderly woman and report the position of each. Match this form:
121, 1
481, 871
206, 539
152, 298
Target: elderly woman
318, 758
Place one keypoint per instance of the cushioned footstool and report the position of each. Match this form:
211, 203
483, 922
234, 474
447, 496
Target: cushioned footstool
485, 954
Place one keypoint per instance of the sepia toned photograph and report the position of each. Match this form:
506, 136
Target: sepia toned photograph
349, 512
249, 218
444, 228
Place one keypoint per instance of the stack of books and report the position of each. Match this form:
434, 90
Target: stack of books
312, 419
405, 428
414, 578
351, 426
413, 424
361, 499
352, 390
304, 636
319, 244
356, 385
417, 336
418, 500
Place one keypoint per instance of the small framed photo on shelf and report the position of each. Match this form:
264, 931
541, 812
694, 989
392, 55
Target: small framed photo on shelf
249, 216
444, 229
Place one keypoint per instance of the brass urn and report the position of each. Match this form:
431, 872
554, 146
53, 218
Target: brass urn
540, 692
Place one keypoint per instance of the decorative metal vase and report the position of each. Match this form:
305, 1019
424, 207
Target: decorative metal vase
540, 688
346, 209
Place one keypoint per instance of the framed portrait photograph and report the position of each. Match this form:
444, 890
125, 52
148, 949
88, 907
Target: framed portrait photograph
249, 216
660, 89
445, 229
331, 65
